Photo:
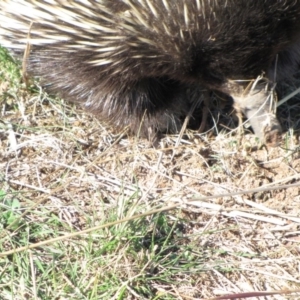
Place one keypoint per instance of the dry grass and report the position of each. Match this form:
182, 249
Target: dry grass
61, 172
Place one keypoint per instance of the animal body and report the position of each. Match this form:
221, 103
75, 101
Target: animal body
140, 63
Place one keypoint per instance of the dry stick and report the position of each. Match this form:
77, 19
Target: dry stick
151, 212
183, 127
25, 57
252, 294
243, 295
288, 97
33, 276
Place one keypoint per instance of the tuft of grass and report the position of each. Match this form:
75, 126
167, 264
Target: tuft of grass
10, 76
133, 259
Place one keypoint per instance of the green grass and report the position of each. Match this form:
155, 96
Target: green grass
10, 74
132, 258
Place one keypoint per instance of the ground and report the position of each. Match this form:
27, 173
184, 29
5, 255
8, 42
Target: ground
90, 213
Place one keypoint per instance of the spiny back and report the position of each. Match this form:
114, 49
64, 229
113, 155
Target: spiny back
154, 35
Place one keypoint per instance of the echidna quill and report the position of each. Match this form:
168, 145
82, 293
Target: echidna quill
139, 63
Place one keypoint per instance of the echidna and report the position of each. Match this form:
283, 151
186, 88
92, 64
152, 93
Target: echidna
139, 63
